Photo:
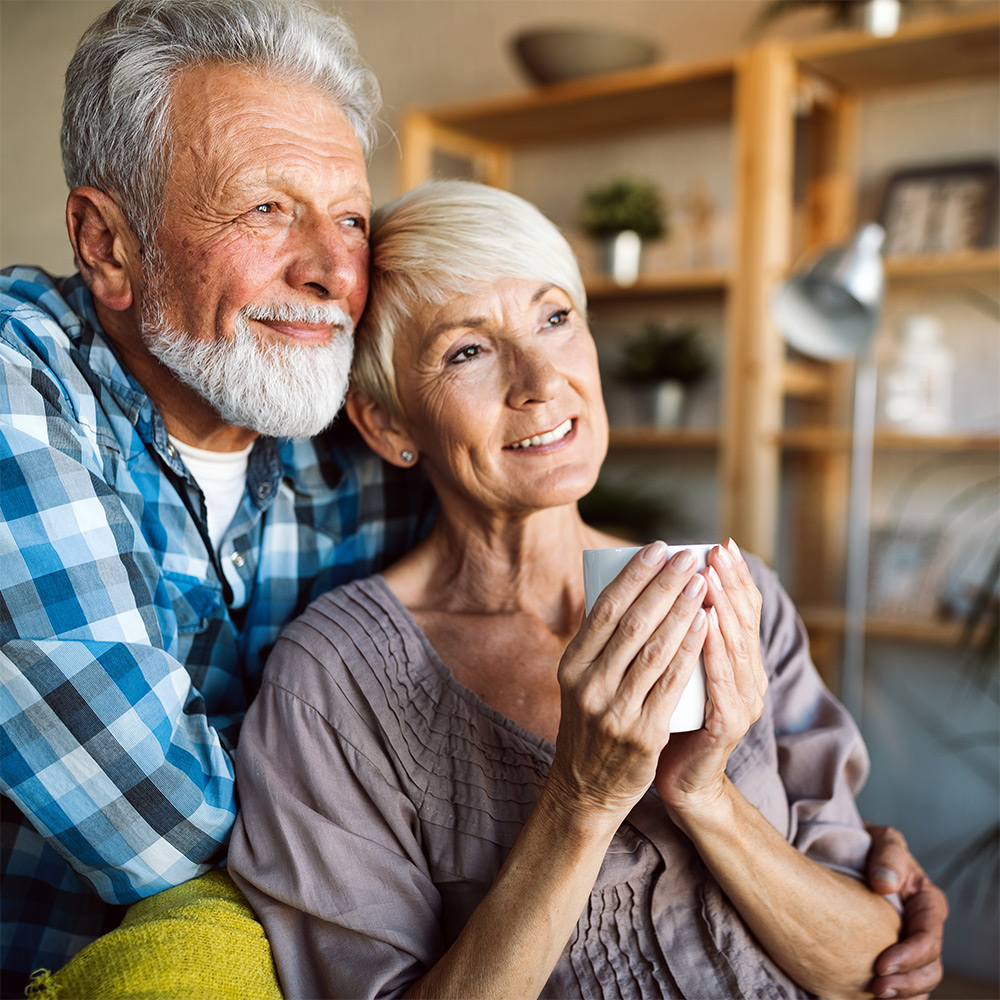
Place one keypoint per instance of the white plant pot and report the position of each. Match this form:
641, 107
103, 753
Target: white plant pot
658, 404
669, 402
881, 17
620, 257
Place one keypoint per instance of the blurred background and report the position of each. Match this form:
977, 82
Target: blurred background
736, 139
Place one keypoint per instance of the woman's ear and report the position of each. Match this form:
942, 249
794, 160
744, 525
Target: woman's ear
385, 433
107, 251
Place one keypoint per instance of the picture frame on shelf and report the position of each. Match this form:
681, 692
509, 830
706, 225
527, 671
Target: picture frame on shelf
904, 571
948, 208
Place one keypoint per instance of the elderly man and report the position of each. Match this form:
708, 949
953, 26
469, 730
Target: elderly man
172, 493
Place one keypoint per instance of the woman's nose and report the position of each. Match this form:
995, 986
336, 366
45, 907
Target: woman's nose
534, 378
326, 261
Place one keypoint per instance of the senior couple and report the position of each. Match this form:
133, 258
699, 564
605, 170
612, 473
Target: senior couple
452, 782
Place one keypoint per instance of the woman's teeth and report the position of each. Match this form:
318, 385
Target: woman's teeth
547, 438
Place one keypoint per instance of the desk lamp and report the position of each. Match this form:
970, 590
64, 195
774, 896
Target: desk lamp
830, 311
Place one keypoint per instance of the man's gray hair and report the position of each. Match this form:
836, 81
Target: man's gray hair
441, 240
116, 112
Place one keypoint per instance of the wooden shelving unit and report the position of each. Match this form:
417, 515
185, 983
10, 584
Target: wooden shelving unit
838, 439
602, 287
656, 439
760, 94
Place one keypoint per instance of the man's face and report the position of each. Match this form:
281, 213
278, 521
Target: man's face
260, 267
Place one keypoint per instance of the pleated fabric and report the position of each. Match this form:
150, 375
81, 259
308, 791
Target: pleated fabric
380, 797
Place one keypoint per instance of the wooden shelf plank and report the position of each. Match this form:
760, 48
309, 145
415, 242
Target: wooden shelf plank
983, 263
832, 439
653, 438
929, 50
937, 631
654, 96
601, 286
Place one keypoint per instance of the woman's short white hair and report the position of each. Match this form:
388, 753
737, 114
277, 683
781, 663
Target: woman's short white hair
441, 240
116, 110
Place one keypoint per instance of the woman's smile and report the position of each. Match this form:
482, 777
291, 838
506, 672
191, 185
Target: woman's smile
547, 441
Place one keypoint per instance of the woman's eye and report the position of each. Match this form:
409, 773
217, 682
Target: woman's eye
265, 209
558, 318
464, 354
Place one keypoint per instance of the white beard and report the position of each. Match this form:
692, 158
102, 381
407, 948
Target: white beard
275, 389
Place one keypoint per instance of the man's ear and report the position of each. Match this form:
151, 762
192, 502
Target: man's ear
107, 251
385, 433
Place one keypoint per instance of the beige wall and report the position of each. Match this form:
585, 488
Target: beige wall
423, 51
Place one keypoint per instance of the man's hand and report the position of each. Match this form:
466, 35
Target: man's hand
912, 966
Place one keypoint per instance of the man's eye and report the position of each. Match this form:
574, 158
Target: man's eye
357, 222
265, 209
558, 318
465, 354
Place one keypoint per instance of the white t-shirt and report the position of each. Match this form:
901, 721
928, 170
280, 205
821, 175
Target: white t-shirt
222, 476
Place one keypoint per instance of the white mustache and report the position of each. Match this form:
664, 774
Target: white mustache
286, 312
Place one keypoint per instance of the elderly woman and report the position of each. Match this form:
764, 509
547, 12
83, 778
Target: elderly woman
453, 782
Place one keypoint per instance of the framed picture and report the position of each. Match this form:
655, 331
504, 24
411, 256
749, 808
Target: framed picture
943, 209
904, 571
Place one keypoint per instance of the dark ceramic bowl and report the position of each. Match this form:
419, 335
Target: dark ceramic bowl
553, 55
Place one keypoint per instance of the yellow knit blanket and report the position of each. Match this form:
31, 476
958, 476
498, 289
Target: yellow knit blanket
198, 941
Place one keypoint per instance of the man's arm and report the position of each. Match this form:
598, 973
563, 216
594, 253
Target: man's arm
911, 967
107, 747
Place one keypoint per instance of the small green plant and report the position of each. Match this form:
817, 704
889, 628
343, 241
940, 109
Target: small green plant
621, 204
661, 353
840, 13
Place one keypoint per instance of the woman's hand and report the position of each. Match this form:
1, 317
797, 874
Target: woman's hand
691, 772
621, 678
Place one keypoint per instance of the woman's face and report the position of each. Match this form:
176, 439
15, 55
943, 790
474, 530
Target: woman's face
502, 397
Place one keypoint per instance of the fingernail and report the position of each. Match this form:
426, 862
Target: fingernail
886, 875
724, 558
695, 585
714, 577
684, 559
887, 994
713, 616
652, 555
891, 971
698, 622
734, 550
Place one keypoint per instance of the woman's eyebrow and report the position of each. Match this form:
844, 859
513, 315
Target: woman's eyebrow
472, 322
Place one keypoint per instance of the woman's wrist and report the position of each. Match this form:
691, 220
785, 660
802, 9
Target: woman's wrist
706, 810
575, 821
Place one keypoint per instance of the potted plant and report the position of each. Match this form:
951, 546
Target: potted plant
877, 17
662, 362
621, 213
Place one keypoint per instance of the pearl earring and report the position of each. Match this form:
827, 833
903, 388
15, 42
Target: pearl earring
406, 455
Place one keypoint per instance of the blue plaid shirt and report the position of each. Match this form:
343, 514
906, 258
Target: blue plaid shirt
129, 649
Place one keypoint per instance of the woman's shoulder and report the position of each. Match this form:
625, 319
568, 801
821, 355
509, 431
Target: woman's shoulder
348, 632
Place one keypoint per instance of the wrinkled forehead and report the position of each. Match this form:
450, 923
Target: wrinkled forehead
226, 119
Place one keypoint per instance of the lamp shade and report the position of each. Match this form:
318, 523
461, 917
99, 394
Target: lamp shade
831, 310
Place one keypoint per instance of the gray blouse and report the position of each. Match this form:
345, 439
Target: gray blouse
379, 798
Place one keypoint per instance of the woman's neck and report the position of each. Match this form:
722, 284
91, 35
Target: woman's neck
531, 563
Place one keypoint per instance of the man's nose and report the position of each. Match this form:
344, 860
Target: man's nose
326, 259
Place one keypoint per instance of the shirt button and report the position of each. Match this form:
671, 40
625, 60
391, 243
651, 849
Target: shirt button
238, 559
263, 490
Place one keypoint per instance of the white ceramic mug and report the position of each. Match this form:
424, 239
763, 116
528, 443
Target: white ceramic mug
600, 567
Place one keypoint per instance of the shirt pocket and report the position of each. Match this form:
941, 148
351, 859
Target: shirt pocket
194, 602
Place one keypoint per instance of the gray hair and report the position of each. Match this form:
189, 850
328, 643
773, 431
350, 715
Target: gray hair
116, 112
440, 240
